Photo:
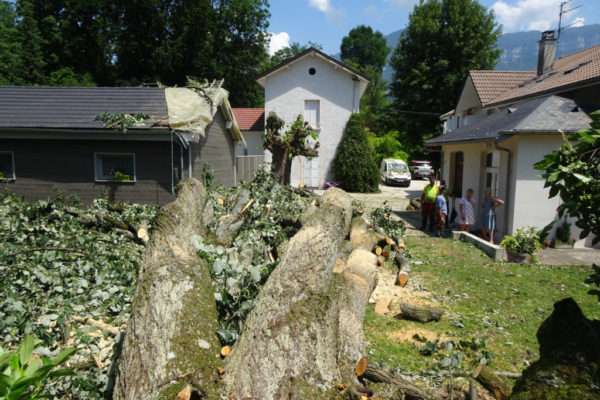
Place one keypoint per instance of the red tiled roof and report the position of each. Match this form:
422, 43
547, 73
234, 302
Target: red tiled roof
250, 119
577, 69
491, 84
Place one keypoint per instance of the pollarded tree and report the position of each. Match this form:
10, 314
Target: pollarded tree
299, 140
573, 173
444, 39
354, 164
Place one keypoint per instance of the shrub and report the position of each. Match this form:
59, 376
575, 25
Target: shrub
24, 373
524, 241
354, 165
387, 146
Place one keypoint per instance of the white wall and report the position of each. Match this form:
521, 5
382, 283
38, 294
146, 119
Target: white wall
287, 89
532, 207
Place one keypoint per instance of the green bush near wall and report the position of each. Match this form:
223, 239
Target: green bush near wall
354, 166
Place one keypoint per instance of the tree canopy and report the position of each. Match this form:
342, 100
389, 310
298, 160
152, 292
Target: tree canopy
290, 51
365, 48
444, 39
71, 42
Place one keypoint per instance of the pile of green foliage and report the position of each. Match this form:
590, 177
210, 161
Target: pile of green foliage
59, 272
240, 271
354, 163
382, 220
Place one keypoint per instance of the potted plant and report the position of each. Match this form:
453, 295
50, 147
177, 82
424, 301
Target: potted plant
522, 246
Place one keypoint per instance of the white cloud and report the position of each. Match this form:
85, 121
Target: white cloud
322, 5
578, 22
519, 15
278, 41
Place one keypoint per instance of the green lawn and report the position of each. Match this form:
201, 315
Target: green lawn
502, 303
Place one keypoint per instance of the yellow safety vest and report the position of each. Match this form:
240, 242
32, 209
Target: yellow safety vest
431, 192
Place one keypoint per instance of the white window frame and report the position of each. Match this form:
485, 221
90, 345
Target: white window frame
318, 102
14, 173
98, 171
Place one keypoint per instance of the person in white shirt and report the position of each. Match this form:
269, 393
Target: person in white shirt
466, 211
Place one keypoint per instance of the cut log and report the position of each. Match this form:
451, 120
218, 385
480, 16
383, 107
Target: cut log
403, 269
420, 312
493, 383
408, 390
361, 366
378, 251
305, 331
170, 340
402, 279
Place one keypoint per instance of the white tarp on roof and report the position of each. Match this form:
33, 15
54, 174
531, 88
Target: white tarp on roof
192, 111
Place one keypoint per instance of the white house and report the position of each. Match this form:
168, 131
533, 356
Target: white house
326, 92
507, 121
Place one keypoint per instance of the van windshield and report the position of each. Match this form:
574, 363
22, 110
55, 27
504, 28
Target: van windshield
397, 167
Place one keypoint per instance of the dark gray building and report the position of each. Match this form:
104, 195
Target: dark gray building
51, 142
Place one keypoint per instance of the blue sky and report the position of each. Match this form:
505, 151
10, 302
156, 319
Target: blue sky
327, 21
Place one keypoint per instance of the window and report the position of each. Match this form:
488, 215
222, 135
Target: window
456, 173
312, 113
312, 71
114, 167
492, 163
7, 166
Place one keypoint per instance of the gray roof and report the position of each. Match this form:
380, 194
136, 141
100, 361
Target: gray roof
75, 107
551, 114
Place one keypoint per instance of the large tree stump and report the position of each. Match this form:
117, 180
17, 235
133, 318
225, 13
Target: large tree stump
170, 341
305, 332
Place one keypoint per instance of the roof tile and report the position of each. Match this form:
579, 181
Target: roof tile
491, 84
250, 119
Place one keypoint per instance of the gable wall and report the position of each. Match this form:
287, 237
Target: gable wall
339, 95
217, 150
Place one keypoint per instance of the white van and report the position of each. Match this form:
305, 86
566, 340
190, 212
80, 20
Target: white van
395, 172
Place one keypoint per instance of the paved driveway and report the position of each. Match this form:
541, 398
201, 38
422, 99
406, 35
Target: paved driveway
397, 197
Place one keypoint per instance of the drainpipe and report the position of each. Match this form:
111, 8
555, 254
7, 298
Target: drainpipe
508, 175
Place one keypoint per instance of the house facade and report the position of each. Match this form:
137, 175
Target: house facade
505, 122
325, 92
51, 142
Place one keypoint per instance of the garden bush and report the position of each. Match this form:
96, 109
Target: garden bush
354, 165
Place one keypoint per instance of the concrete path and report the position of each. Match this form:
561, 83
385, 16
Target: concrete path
398, 198
570, 256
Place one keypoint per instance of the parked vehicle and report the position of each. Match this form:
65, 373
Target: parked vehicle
421, 169
395, 172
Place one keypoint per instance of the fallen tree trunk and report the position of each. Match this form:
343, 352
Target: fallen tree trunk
493, 383
170, 341
304, 335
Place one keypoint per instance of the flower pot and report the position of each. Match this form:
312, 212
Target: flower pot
519, 258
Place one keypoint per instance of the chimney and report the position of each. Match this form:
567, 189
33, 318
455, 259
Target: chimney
546, 53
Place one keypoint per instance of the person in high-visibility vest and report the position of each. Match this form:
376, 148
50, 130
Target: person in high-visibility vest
428, 197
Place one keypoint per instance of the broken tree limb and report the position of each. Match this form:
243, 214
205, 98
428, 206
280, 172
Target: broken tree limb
304, 334
409, 390
170, 340
403, 269
420, 312
493, 383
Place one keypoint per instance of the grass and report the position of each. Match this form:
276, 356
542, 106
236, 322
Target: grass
501, 303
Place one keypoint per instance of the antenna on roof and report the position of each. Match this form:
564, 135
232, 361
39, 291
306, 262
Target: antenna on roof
565, 8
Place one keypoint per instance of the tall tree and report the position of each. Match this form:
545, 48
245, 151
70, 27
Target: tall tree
290, 51
240, 42
444, 39
365, 48
9, 48
32, 64
142, 33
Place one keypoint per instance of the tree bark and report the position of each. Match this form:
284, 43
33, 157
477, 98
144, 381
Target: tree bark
305, 333
170, 341
409, 390
493, 383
